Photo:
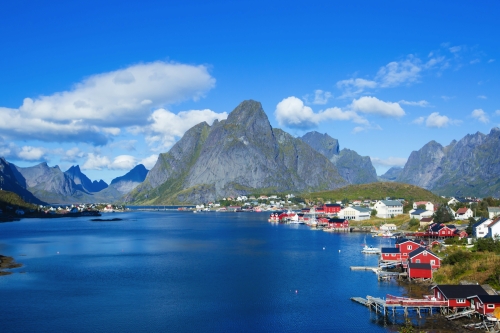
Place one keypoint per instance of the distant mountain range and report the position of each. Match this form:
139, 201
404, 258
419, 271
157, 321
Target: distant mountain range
470, 166
44, 184
244, 155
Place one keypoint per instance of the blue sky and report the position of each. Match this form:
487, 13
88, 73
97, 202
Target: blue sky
110, 84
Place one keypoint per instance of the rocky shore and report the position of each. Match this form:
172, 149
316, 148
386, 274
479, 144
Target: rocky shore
7, 263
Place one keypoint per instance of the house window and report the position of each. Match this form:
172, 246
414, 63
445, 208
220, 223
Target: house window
425, 253
460, 300
491, 306
417, 261
405, 254
393, 255
433, 262
409, 247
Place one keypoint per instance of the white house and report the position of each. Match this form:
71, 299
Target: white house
388, 227
428, 205
420, 213
493, 212
453, 201
494, 228
480, 228
388, 208
463, 213
354, 213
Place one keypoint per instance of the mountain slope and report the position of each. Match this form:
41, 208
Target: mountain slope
85, 183
11, 180
240, 155
470, 166
355, 169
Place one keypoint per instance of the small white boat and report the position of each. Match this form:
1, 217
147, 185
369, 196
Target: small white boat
368, 249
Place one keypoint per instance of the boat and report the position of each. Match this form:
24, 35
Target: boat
368, 249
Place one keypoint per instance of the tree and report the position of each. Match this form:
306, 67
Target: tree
422, 206
374, 213
469, 229
443, 215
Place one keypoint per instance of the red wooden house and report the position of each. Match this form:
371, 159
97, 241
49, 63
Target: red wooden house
406, 246
424, 256
442, 230
457, 295
419, 271
484, 303
331, 208
390, 254
338, 223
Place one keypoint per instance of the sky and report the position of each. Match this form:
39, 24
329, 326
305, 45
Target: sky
107, 85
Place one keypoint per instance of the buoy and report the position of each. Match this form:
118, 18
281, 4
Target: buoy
296, 291
339, 251
323, 247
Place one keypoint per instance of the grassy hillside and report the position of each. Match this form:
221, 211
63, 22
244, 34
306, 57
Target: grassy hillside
13, 200
374, 191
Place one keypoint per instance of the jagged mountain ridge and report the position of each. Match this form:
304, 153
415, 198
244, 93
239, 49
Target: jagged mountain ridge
85, 183
355, 169
9, 181
50, 184
240, 155
470, 166
392, 174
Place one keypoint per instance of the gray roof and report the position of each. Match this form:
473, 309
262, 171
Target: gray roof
493, 209
391, 202
418, 211
362, 209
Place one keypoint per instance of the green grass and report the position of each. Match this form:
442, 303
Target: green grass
375, 191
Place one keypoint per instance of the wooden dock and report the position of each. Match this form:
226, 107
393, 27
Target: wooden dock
393, 304
363, 268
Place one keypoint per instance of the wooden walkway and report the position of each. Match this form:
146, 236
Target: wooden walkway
392, 304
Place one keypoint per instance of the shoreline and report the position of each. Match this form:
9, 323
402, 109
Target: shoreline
7, 263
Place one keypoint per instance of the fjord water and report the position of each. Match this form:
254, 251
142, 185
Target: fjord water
182, 272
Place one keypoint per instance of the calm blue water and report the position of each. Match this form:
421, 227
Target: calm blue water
183, 272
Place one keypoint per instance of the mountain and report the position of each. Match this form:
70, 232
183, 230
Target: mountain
131, 179
85, 183
51, 185
351, 166
240, 155
470, 166
392, 174
10, 180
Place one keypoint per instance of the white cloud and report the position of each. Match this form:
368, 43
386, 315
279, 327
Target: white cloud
437, 121
321, 97
373, 105
455, 49
358, 129
447, 98
291, 112
490, 61
480, 115
396, 73
421, 103
419, 120
72, 155
166, 126
482, 97
390, 161
353, 87
475, 61
31, 153
497, 112
149, 162
98, 106
96, 162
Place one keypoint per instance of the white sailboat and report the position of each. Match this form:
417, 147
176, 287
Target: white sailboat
368, 249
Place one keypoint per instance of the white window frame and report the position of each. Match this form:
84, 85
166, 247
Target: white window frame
460, 300
491, 306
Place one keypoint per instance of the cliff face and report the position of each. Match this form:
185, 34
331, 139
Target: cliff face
85, 183
392, 174
355, 169
470, 166
240, 155
11, 180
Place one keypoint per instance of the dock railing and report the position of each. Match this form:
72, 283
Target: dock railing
405, 301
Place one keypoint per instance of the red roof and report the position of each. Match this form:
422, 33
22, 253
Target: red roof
462, 210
